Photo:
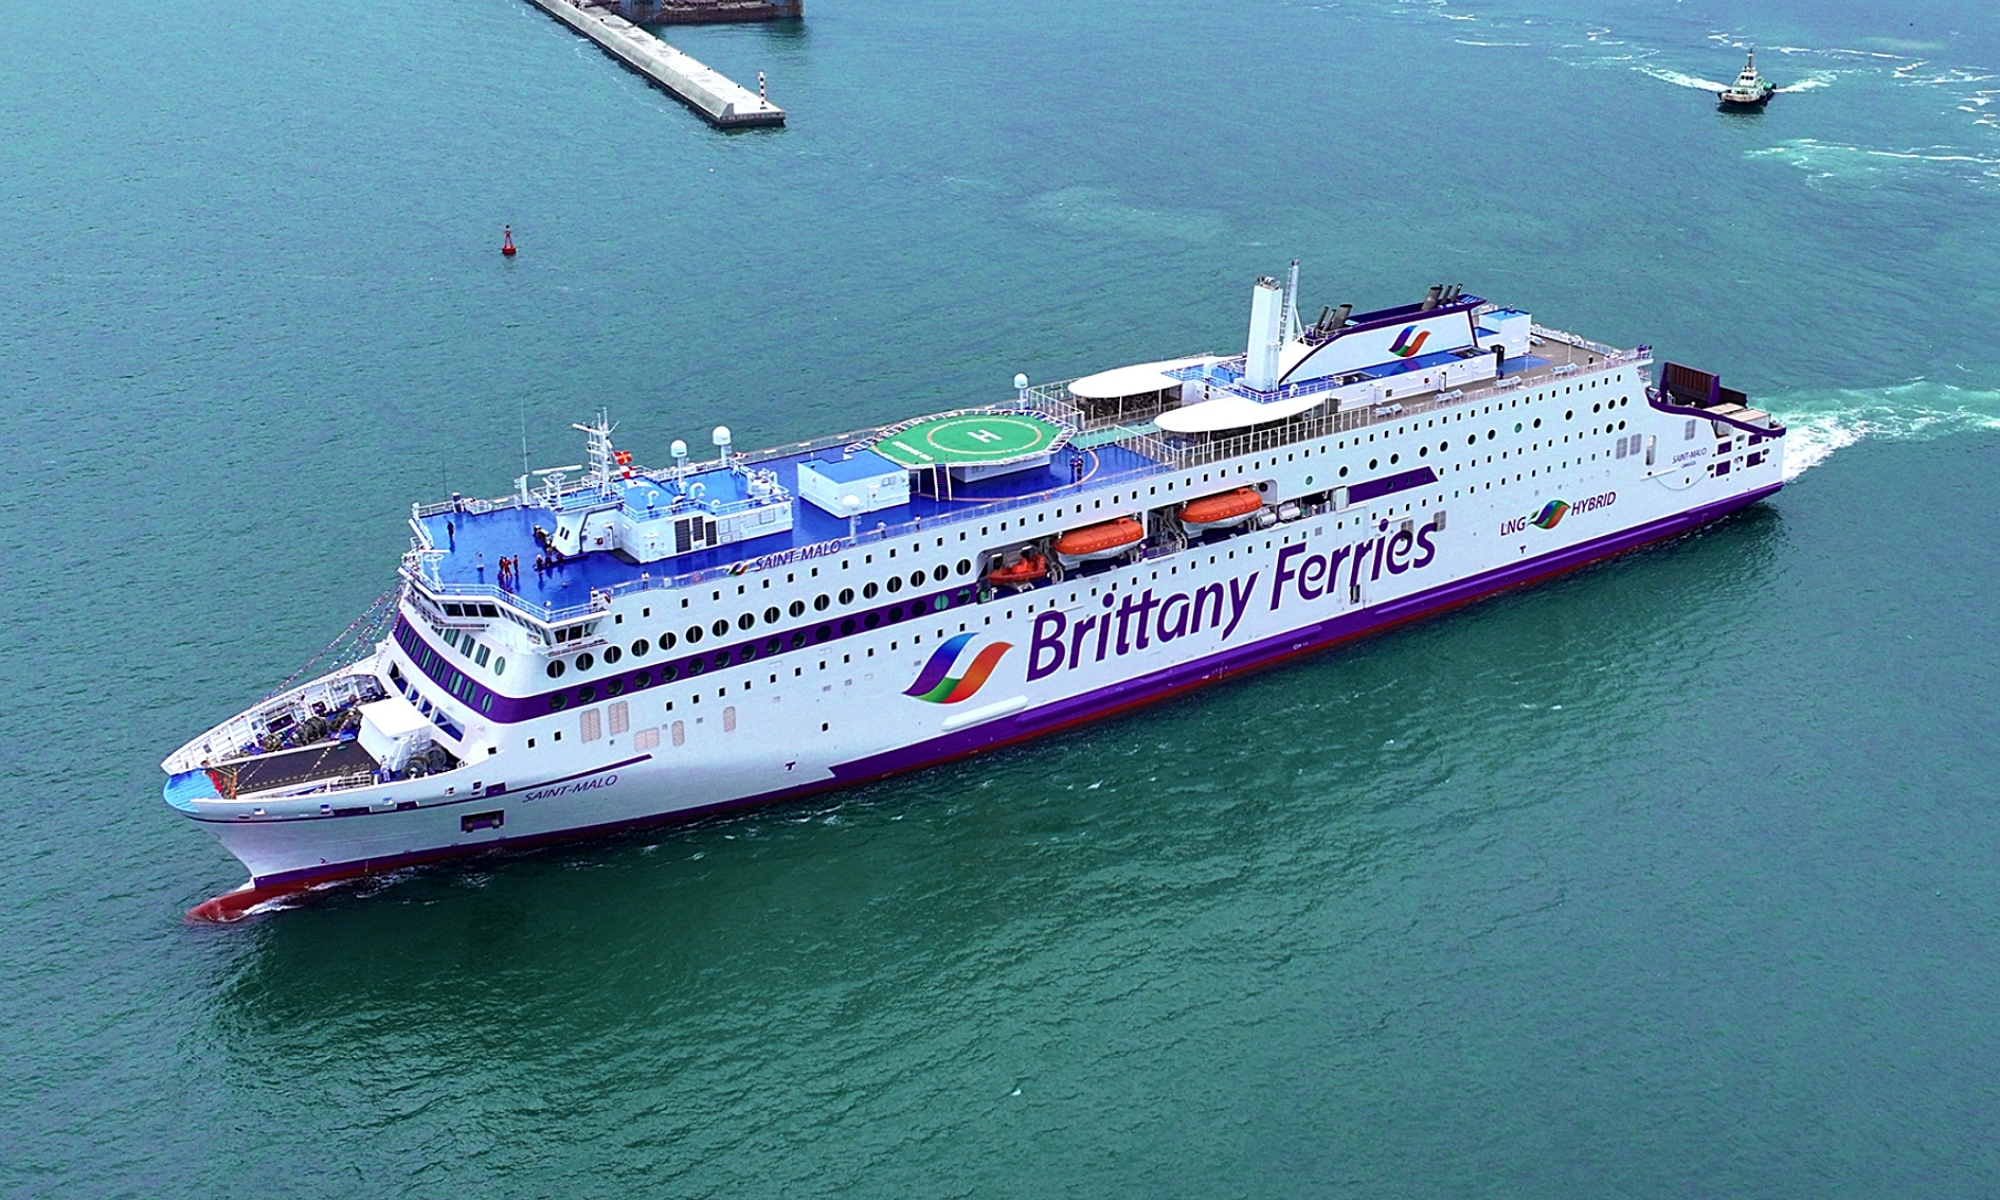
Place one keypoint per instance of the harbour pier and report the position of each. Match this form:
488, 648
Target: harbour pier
719, 100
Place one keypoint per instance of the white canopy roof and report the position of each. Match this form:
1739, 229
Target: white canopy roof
395, 717
1234, 412
1131, 381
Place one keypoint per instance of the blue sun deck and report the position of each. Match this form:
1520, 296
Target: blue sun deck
473, 542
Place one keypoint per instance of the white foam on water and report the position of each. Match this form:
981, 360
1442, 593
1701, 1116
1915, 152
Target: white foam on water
1810, 82
1680, 80
1470, 42
1820, 424
1841, 161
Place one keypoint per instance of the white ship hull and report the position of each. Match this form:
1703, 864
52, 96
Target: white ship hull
1526, 482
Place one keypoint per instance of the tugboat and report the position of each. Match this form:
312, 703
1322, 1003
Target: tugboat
1751, 91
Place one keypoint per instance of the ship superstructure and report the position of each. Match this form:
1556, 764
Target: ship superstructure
669, 642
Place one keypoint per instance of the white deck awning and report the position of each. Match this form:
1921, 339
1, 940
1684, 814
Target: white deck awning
1131, 381
1234, 412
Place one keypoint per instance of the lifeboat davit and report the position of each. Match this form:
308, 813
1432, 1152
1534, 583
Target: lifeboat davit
1221, 510
1019, 573
1108, 539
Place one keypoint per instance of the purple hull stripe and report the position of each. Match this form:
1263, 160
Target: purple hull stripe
1389, 485
1105, 702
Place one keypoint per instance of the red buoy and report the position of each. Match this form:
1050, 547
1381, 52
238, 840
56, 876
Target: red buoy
507, 241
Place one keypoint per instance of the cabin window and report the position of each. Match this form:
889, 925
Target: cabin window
481, 656
680, 733
693, 634
721, 626
798, 608
641, 648
590, 725
612, 654
499, 666
556, 668
771, 615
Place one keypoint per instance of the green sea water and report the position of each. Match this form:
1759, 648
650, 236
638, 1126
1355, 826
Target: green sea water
1678, 876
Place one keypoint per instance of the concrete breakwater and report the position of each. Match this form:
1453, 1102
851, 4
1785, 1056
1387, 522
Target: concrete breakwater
717, 98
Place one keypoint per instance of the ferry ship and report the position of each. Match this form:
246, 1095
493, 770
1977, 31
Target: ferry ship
750, 627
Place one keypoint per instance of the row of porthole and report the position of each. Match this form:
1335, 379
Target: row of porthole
748, 621
1491, 435
748, 651
1445, 447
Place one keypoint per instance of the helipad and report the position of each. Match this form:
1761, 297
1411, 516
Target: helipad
967, 439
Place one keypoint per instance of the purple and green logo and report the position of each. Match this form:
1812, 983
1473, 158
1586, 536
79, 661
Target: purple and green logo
1405, 346
937, 685
1551, 515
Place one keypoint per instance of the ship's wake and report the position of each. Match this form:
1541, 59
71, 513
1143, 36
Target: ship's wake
1817, 425
1681, 80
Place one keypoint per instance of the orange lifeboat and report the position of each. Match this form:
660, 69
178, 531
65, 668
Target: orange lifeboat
1105, 540
1224, 508
1021, 572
